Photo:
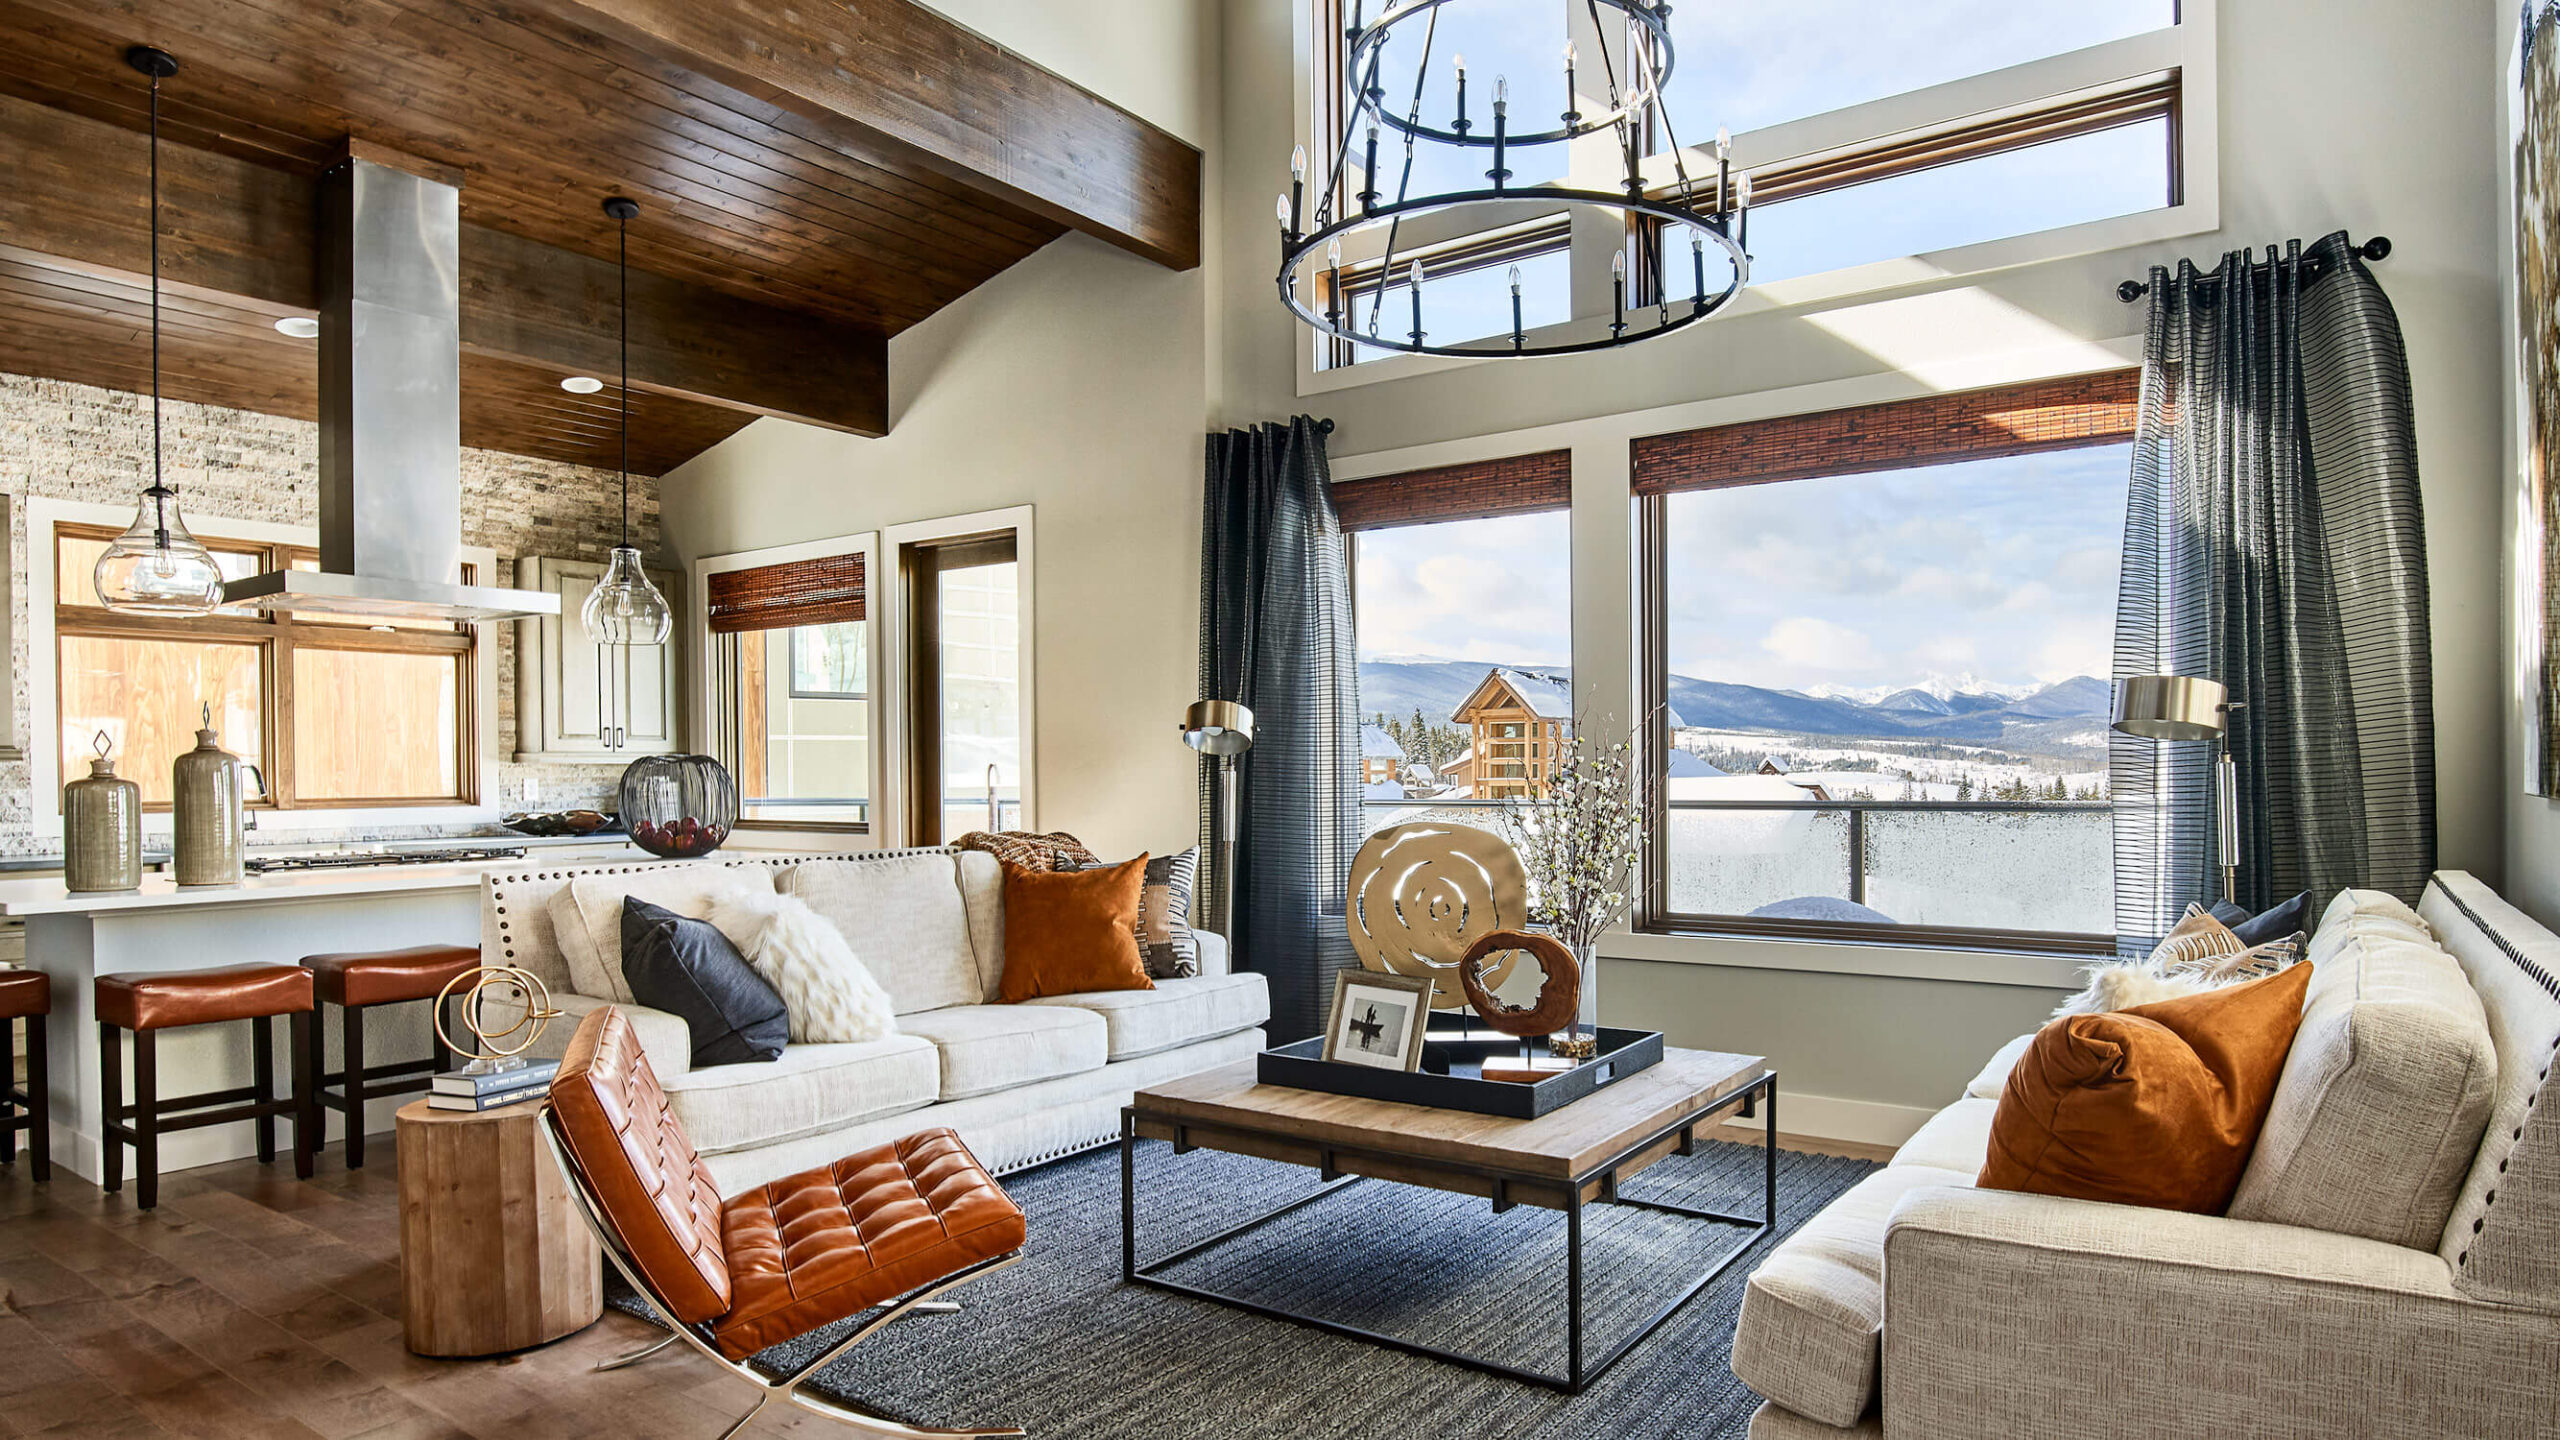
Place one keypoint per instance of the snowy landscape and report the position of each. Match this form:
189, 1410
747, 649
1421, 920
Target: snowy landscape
1942, 738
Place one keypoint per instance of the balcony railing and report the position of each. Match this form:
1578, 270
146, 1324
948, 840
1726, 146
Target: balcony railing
2040, 867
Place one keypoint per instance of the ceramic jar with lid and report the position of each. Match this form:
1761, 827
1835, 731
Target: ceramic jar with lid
101, 830
205, 782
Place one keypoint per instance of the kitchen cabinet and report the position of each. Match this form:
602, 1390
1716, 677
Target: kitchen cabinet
576, 702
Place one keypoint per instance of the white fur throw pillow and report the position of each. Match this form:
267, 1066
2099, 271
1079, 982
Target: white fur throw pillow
832, 998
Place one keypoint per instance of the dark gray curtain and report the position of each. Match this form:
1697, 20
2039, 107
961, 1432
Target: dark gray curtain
2274, 542
1275, 634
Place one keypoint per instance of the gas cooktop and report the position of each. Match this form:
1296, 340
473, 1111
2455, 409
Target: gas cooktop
354, 859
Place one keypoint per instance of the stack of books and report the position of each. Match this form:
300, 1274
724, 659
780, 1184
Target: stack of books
459, 1090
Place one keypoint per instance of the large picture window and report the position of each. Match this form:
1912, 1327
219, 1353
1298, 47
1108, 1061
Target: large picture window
1462, 585
1879, 642
284, 691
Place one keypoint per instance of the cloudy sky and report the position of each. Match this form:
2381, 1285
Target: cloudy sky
2004, 570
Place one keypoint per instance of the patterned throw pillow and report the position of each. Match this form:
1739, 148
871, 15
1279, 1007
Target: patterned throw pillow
1165, 940
2200, 954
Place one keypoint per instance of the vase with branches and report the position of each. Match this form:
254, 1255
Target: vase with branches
1578, 842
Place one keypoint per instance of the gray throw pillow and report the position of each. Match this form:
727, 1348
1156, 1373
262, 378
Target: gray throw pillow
688, 968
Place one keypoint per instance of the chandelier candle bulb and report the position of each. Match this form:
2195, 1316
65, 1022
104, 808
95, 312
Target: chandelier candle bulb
1698, 264
1369, 173
1297, 188
1413, 287
1742, 212
1460, 124
1618, 293
1572, 101
1333, 282
1501, 118
1516, 336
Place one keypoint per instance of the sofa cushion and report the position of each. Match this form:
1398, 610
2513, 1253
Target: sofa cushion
2157, 1105
1955, 1138
1175, 1013
986, 1048
586, 914
904, 918
1813, 1314
811, 1089
1995, 1071
688, 968
1072, 932
2382, 1101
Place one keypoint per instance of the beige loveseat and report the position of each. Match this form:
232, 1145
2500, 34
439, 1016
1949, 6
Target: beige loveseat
2412, 1288
1020, 1083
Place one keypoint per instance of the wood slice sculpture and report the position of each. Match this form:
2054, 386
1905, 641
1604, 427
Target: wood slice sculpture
1422, 893
1559, 994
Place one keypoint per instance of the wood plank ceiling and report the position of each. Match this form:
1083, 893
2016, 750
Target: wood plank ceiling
801, 201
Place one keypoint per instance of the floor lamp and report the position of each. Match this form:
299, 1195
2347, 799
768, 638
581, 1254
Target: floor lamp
2182, 708
1223, 729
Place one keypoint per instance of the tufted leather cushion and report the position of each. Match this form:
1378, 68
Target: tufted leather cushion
818, 1246
387, 977
639, 1166
24, 992
171, 998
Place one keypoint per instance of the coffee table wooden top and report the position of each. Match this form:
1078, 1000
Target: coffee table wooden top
1565, 1145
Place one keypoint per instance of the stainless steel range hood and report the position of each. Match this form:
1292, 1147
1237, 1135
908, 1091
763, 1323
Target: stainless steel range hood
390, 412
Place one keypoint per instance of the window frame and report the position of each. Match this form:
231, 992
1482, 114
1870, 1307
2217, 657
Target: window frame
710, 692
277, 635
2172, 71
1653, 914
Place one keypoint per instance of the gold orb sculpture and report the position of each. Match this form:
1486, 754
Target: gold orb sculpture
1421, 894
521, 989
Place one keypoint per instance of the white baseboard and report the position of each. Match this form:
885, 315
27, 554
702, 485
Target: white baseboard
1822, 1117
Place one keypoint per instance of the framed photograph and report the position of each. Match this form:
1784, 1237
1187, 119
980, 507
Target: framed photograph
1378, 1019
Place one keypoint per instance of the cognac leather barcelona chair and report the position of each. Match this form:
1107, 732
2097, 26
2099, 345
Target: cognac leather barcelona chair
887, 1228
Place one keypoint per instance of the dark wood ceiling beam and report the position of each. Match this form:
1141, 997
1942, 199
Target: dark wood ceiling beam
239, 234
947, 98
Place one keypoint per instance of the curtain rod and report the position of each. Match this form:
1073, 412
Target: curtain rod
2377, 248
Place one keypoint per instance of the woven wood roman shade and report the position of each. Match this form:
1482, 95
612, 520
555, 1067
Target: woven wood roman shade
2060, 414
798, 592
1514, 485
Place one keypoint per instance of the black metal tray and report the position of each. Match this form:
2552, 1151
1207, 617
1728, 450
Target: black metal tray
1622, 1053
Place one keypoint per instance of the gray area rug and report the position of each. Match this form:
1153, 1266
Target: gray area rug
1059, 1345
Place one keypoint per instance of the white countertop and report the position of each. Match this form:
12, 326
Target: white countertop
159, 892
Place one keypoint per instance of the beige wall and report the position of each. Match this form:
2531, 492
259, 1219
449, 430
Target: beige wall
1072, 383
1141, 55
2374, 115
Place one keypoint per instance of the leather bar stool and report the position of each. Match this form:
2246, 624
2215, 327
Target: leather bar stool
27, 995
356, 981
147, 1004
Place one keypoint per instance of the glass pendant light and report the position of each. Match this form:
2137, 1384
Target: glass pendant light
624, 608
155, 567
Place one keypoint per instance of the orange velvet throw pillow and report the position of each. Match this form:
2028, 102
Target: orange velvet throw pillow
2158, 1105
1069, 932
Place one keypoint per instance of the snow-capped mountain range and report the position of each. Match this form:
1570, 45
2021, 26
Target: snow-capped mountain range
1958, 708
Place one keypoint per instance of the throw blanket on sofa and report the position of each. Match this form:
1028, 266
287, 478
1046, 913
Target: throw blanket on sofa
1056, 850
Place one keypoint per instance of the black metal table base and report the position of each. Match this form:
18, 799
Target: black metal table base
1580, 1370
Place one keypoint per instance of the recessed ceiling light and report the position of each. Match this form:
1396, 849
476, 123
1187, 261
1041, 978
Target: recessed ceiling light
582, 384
300, 327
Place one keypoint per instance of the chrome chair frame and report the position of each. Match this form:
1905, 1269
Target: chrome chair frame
918, 1301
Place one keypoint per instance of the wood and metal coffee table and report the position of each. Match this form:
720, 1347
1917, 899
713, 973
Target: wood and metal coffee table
1575, 1157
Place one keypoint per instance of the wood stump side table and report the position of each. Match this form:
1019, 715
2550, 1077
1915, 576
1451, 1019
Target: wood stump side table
493, 1254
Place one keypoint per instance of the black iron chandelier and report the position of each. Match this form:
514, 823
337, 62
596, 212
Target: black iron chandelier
1674, 284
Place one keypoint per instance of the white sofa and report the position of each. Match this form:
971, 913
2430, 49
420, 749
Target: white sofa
2408, 1283
1021, 1083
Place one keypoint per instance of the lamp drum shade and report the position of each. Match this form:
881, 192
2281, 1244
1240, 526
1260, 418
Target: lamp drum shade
2169, 707
1218, 727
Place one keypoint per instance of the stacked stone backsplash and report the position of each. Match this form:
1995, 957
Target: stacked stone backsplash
77, 442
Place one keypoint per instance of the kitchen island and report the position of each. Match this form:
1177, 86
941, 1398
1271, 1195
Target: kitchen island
273, 918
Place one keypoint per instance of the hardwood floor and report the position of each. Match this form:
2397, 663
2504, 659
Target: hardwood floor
249, 1304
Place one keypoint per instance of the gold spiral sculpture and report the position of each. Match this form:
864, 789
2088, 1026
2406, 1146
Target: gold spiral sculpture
528, 994
1421, 894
